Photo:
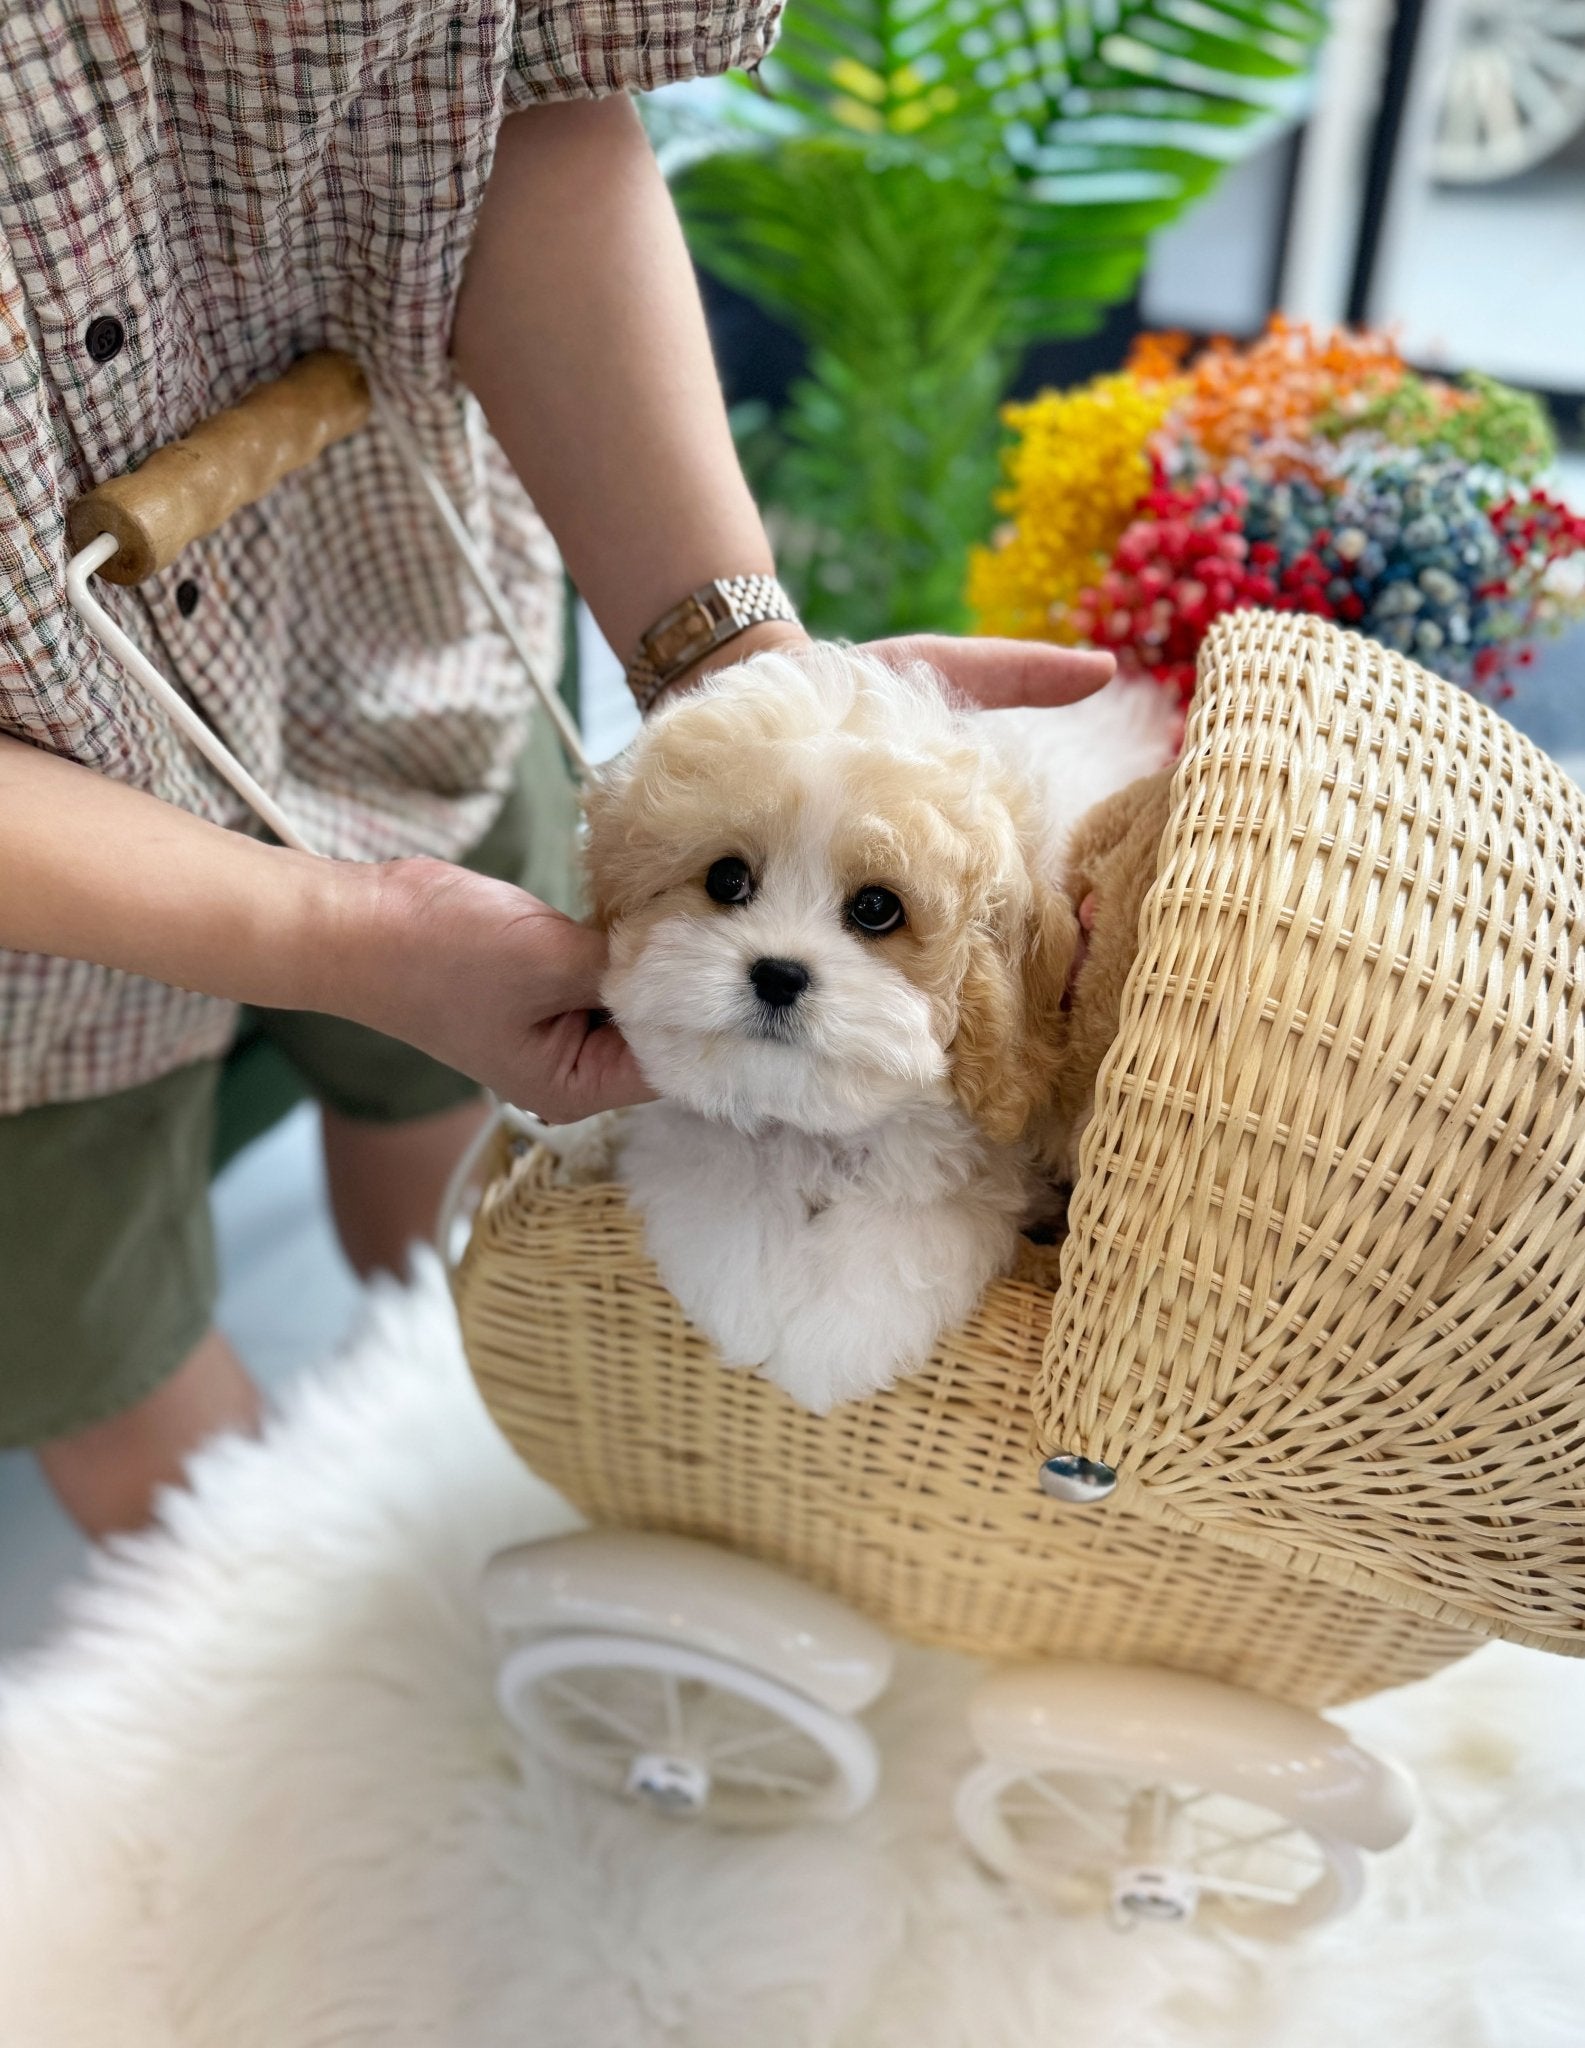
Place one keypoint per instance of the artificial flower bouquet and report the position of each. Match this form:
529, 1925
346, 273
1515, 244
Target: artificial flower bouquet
1305, 472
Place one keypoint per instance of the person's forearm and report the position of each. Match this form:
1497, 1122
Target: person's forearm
93, 870
579, 329
472, 971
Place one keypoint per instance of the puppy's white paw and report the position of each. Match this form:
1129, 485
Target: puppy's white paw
738, 1321
819, 1368
808, 1259
876, 1291
710, 1224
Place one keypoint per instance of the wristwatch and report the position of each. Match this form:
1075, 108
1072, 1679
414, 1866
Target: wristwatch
706, 619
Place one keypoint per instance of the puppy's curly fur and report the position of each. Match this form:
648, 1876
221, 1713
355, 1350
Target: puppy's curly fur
1112, 860
825, 771
837, 1169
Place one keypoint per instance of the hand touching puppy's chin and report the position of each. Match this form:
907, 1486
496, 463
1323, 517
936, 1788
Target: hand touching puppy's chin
755, 1025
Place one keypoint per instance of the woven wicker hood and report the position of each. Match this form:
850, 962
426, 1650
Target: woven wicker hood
1323, 1296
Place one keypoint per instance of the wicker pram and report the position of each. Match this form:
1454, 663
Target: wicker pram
1320, 1307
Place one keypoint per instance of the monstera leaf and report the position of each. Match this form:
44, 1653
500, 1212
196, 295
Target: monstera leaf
921, 191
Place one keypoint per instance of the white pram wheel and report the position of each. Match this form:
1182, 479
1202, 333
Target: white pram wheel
698, 1681
686, 1732
1159, 1797
1146, 1851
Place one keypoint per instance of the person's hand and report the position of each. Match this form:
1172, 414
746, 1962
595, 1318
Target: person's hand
998, 674
491, 981
476, 973
995, 674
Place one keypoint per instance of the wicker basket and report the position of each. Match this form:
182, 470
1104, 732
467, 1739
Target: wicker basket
1324, 1297
920, 1506
1320, 1304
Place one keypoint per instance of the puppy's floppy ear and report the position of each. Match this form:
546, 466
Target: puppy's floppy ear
1006, 1054
615, 878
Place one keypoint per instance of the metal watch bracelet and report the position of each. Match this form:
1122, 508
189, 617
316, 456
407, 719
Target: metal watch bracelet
705, 620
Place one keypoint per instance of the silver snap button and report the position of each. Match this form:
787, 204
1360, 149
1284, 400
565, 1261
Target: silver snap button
1079, 1481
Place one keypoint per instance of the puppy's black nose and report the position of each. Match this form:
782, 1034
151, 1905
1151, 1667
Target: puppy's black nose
778, 982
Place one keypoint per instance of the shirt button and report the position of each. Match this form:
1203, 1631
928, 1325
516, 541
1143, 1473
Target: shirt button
104, 337
187, 597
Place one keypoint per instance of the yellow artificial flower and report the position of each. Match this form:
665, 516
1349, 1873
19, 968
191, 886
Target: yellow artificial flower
900, 101
858, 81
1076, 471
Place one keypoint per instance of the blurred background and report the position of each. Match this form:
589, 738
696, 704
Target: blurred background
942, 204
1415, 166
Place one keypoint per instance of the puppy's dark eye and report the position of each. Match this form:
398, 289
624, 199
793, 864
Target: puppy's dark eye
875, 911
729, 881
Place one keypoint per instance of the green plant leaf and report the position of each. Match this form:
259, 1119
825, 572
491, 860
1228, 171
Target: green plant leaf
934, 185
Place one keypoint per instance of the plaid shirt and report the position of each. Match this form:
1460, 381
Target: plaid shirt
190, 198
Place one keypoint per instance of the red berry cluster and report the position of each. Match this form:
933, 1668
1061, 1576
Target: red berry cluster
1538, 530
1535, 531
1185, 560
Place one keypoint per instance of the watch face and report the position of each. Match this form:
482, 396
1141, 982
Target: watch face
689, 626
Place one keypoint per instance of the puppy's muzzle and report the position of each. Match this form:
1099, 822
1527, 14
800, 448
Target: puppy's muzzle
778, 983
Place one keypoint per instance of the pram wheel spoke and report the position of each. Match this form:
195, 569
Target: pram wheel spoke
684, 1731
1158, 1797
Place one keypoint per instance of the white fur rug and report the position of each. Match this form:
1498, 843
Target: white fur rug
258, 1797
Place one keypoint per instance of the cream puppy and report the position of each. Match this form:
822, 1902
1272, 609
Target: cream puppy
840, 952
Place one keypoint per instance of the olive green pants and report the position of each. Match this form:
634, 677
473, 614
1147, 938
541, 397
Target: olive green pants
107, 1256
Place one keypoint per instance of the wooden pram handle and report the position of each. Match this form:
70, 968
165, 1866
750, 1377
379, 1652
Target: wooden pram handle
193, 486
